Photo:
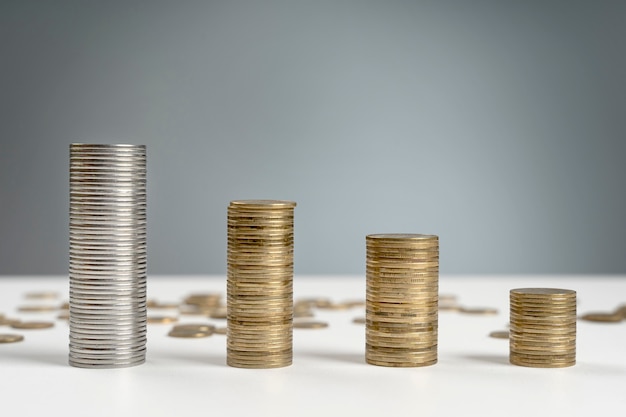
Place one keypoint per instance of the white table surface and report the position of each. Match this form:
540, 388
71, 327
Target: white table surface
328, 375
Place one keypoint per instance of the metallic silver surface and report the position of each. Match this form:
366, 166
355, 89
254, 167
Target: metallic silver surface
107, 255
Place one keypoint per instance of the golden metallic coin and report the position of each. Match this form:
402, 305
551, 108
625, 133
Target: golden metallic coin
5, 321
478, 310
42, 295
358, 320
162, 306
11, 338
499, 334
303, 314
603, 317
207, 328
189, 333
219, 313
161, 319
309, 324
221, 330
37, 309
31, 325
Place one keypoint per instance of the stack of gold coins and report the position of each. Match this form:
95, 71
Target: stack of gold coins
260, 283
402, 299
543, 327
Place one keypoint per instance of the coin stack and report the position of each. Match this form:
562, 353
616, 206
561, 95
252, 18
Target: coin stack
260, 283
402, 299
107, 255
542, 327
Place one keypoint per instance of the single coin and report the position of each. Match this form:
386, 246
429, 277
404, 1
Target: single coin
335, 306
478, 310
30, 325
499, 334
309, 324
194, 327
161, 306
162, 319
11, 338
189, 334
358, 320
41, 295
37, 309
5, 321
219, 313
603, 317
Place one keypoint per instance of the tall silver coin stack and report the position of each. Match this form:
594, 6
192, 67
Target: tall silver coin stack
107, 255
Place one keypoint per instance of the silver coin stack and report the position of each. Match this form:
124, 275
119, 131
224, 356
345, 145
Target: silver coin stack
107, 255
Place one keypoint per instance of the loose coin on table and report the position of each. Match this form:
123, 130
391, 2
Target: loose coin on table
32, 325
309, 324
11, 338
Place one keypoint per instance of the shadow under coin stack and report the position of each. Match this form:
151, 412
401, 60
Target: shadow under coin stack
107, 255
543, 327
402, 299
260, 283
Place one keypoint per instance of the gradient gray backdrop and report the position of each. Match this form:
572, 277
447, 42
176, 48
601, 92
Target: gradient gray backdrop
498, 125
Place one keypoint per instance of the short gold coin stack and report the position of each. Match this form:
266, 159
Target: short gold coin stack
543, 327
260, 283
402, 299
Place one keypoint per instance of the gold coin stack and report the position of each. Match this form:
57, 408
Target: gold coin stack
260, 283
402, 299
543, 327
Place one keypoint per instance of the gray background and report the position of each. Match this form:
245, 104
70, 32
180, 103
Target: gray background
500, 126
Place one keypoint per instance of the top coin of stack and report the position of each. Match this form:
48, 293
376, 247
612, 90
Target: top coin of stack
543, 327
260, 283
107, 255
402, 299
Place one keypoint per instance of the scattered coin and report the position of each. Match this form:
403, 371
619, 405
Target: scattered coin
303, 314
203, 299
219, 313
478, 310
221, 330
614, 317
163, 306
447, 306
37, 309
189, 333
309, 324
207, 328
162, 319
499, 334
11, 338
41, 295
354, 303
5, 321
31, 325
358, 320
334, 306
